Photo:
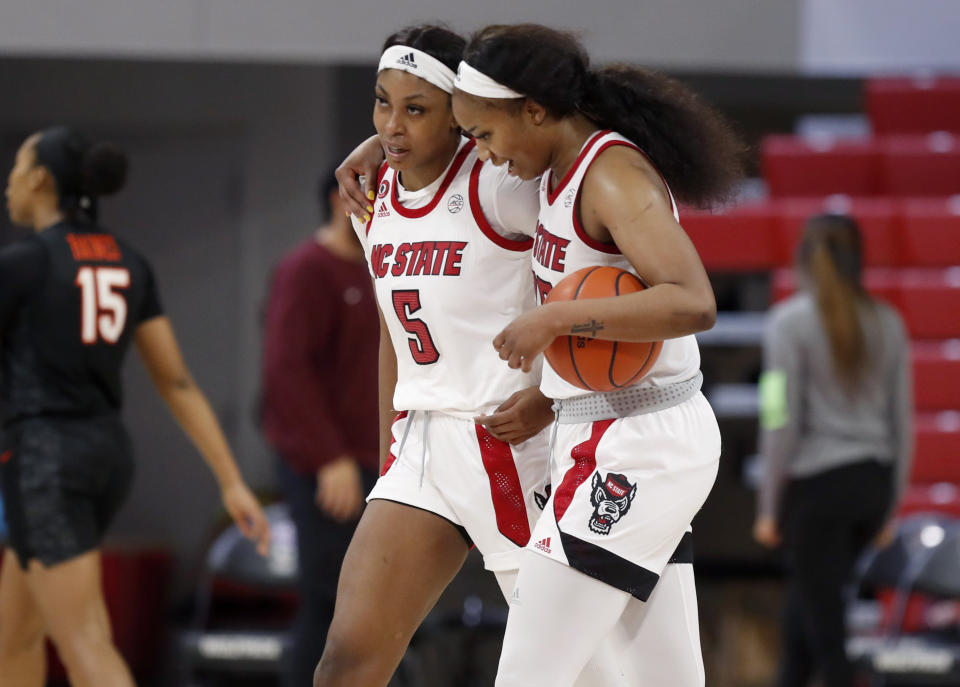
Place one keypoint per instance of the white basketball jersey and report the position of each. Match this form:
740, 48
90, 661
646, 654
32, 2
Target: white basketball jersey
447, 283
562, 246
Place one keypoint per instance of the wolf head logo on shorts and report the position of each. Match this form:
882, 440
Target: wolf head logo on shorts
611, 500
541, 499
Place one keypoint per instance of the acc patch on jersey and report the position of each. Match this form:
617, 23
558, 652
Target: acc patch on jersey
455, 203
611, 500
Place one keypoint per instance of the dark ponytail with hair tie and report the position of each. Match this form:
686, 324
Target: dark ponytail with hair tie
689, 143
82, 172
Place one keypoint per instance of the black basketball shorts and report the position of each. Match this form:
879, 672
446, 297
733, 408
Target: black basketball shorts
62, 480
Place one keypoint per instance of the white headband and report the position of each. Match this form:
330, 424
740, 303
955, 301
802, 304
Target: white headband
418, 63
474, 82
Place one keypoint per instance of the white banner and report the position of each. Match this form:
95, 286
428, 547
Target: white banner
853, 37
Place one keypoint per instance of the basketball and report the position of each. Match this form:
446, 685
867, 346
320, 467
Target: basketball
595, 364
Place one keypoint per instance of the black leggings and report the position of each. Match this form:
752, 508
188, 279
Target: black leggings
828, 521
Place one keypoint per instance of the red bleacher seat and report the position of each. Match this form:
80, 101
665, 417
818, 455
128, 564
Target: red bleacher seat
877, 218
937, 450
913, 105
930, 302
930, 231
936, 375
882, 283
741, 238
926, 165
797, 167
782, 284
931, 498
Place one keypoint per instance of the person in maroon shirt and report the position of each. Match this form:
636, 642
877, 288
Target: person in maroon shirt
319, 409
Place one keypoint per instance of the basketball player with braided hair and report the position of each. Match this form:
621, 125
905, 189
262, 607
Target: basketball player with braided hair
73, 298
631, 467
836, 441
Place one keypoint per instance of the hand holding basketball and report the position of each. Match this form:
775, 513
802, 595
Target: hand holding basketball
526, 337
596, 364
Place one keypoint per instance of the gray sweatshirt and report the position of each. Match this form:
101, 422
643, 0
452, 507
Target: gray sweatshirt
809, 422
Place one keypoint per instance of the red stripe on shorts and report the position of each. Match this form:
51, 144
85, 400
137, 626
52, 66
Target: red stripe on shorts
505, 489
390, 456
584, 463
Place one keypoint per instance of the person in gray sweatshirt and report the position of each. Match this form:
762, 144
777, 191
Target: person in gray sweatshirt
836, 439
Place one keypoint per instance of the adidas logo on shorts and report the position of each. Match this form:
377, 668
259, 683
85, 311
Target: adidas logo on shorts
543, 545
407, 61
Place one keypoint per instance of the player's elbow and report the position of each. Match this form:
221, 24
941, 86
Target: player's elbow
702, 313
172, 384
706, 317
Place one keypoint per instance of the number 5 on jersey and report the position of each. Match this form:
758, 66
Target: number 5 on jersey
103, 311
422, 348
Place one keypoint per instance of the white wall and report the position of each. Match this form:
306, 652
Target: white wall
224, 164
805, 36
753, 35
849, 37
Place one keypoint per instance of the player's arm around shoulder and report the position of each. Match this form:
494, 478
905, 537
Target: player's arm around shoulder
624, 200
511, 204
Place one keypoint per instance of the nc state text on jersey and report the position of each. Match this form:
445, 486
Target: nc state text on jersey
549, 250
419, 258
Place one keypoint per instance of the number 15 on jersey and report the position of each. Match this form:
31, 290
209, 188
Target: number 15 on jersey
103, 311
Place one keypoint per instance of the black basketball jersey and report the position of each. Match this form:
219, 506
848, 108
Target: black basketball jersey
70, 300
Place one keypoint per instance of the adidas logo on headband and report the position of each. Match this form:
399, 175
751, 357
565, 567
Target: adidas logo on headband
418, 63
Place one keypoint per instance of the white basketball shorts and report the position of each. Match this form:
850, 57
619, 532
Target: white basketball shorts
625, 492
456, 469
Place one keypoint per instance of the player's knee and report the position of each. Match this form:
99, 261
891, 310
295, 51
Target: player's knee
20, 638
352, 656
342, 656
82, 644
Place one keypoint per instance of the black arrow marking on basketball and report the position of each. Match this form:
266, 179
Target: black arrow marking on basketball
573, 358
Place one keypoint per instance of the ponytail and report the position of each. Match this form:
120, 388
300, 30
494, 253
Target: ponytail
82, 172
103, 169
688, 142
830, 253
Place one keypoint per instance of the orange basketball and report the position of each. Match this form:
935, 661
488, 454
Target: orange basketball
595, 364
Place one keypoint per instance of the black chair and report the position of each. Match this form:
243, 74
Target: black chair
243, 607
923, 559
245, 604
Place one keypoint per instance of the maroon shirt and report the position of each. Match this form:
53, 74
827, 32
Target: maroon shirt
321, 341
